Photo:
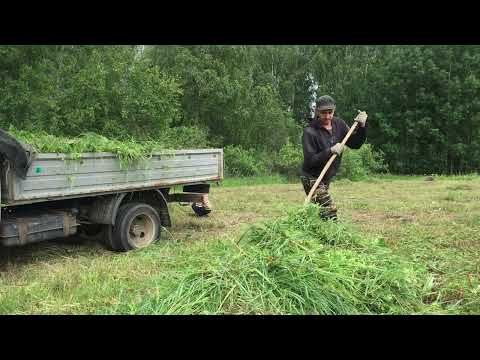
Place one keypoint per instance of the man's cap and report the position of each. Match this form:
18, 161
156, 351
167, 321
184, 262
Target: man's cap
325, 102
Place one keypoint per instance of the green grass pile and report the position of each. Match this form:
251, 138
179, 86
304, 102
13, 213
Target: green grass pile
128, 150
298, 264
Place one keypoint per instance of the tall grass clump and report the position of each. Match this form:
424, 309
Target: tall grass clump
299, 264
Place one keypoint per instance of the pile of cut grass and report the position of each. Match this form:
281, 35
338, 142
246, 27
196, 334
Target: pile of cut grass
298, 264
128, 151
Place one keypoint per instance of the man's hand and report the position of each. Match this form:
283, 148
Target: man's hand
361, 118
337, 148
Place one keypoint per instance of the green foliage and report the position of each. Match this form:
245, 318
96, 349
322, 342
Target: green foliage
358, 164
185, 137
242, 162
289, 160
373, 160
352, 166
423, 101
102, 89
427, 111
150, 103
223, 92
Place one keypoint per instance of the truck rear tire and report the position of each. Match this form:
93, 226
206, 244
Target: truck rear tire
137, 225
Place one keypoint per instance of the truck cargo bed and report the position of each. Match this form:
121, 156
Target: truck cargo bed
56, 177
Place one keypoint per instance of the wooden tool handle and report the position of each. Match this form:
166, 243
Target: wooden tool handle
328, 164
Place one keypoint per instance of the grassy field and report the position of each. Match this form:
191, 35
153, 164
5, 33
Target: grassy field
433, 223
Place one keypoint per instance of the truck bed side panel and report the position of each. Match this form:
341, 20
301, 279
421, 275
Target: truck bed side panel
54, 177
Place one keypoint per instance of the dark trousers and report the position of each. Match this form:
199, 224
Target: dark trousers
328, 209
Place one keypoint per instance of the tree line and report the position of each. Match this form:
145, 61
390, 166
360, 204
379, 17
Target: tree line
423, 100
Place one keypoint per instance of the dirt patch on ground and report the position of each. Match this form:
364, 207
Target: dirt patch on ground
465, 187
426, 217
401, 217
362, 216
243, 218
219, 224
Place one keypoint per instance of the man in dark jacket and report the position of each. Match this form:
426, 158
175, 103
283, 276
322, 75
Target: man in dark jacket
322, 138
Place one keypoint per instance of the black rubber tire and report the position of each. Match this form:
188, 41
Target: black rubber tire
122, 237
200, 210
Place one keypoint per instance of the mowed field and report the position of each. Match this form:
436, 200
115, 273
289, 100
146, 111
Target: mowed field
436, 223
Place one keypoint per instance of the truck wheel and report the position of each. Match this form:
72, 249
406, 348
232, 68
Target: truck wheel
137, 225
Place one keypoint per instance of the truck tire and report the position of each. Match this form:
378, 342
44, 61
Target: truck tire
137, 225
